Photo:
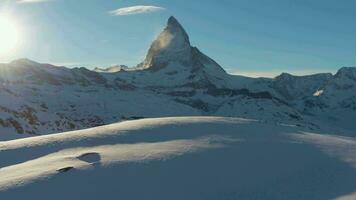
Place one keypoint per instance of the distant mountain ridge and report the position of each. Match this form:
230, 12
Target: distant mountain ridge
112, 69
175, 79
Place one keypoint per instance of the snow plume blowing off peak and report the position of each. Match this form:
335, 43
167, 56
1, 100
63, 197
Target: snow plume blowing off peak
172, 48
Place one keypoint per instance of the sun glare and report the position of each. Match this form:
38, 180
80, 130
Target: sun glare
9, 35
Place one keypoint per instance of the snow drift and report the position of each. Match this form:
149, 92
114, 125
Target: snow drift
180, 158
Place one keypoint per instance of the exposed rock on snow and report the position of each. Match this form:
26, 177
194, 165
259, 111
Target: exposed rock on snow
171, 45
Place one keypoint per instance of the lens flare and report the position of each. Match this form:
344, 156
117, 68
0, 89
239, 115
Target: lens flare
9, 35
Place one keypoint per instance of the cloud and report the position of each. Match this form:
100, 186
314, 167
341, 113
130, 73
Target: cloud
135, 10
32, 1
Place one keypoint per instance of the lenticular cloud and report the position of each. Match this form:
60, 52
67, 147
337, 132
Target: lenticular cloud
135, 10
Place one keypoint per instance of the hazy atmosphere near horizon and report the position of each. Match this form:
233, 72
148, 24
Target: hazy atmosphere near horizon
255, 37
177, 99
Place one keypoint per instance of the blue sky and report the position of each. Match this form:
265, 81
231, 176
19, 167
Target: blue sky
253, 37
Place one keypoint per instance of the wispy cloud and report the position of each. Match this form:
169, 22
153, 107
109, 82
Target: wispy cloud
32, 1
135, 10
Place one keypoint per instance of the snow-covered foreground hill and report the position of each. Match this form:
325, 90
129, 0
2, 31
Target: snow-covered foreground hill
180, 158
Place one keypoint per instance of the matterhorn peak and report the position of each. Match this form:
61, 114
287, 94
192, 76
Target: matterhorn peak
172, 50
176, 29
170, 45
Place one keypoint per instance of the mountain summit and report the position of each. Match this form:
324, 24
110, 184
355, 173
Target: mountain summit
172, 50
172, 44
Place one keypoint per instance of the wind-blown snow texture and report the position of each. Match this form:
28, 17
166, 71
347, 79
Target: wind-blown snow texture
180, 158
175, 79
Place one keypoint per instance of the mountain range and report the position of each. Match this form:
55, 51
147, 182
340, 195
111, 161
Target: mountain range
175, 79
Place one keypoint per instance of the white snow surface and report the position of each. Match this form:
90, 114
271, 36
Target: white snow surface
180, 158
111, 69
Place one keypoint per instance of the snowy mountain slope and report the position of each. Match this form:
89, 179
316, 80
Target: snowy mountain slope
175, 79
112, 69
46, 109
24, 71
180, 158
336, 102
296, 87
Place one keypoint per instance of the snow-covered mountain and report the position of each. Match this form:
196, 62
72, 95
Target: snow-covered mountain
180, 158
112, 69
172, 61
175, 79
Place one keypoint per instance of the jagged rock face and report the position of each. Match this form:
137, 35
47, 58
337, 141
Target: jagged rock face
171, 55
171, 45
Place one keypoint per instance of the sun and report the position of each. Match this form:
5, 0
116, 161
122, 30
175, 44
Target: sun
9, 35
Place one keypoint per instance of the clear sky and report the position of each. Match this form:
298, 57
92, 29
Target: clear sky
253, 37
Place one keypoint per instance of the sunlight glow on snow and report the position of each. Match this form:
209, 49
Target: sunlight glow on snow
318, 93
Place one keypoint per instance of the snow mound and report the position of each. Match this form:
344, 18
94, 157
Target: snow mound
180, 158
